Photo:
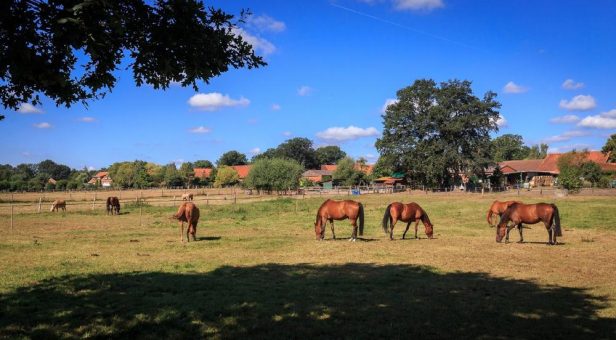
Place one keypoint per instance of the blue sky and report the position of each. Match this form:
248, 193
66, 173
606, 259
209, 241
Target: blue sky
333, 64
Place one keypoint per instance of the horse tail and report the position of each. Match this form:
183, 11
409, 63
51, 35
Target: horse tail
387, 219
361, 219
556, 219
490, 216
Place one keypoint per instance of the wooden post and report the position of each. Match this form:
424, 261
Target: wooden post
234, 197
93, 201
11, 212
39, 205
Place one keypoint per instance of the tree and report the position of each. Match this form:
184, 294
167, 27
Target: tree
274, 174
167, 41
299, 149
508, 147
202, 164
346, 173
329, 154
436, 132
538, 151
53, 170
570, 170
231, 158
591, 172
226, 176
610, 147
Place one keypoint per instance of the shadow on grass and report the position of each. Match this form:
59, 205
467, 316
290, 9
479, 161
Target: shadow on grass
208, 238
299, 301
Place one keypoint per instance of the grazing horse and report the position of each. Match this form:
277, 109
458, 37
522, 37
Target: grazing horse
187, 197
57, 205
188, 212
332, 210
113, 205
408, 213
498, 208
519, 213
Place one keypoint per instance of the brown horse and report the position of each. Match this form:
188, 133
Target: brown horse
498, 208
188, 212
519, 213
332, 210
113, 205
408, 213
57, 205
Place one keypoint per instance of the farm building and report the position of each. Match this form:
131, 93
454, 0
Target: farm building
101, 178
242, 171
365, 168
543, 172
323, 178
203, 173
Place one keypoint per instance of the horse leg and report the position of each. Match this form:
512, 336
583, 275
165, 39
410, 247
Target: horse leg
416, 224
354, 235
407, 229
332, 226
182, 231
551, 233
520, 227
391, 231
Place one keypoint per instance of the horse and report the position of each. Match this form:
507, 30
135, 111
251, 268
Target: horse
113, 205
188, 212
408, 213
57, 205
187, 197
332, 210
519, 213
498, 208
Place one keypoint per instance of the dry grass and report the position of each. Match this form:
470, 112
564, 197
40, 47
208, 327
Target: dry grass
257, 270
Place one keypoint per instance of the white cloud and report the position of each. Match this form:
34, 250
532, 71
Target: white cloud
255, 151
43, 125
388, 102
512, 87
579, 103
417, 5
28, 108
258, 44
276, 107
266, 23
87, 119
200, 129
287, 133
609, 114
570, 84
570, 147
26, 154
566, 119
91, 168
214, 101
599, 122
566, 136
305, 91
340, 134
501, 122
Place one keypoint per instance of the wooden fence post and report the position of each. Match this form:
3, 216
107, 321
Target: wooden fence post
11, 212
39, 205
93, 201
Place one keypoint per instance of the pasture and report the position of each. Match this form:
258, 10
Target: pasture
257, 270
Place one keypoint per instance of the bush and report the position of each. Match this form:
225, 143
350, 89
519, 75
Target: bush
270, 174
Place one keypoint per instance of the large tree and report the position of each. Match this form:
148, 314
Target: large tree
437, 132
538, 151
610, 146
231, 158
329, 154
69, 50
300, 150
508, 147
274, 174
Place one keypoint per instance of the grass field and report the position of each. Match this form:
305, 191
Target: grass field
257, 271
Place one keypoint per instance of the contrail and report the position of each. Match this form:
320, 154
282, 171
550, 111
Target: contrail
408, 28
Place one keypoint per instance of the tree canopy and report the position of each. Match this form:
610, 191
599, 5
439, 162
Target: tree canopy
42, 42
437, 132
330, 154
274, 174
231, 158
610, 146
508, 147
298, 149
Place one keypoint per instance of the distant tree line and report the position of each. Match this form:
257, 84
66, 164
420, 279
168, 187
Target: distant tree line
35, 177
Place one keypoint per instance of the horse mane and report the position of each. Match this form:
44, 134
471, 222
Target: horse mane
506, 216
319, 211
425, 219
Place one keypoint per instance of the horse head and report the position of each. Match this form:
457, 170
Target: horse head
501, 230
429, 230
319, 229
